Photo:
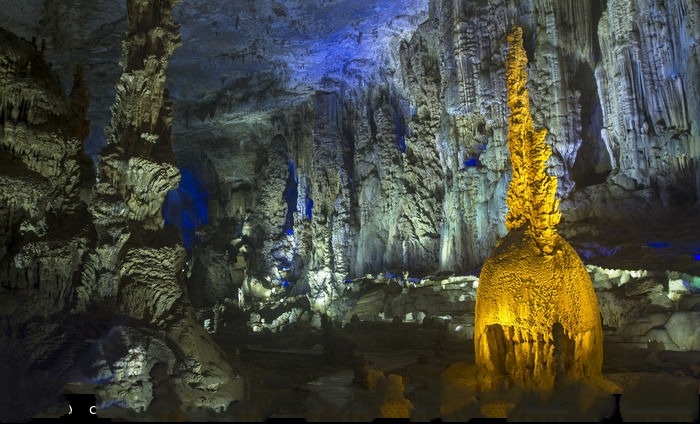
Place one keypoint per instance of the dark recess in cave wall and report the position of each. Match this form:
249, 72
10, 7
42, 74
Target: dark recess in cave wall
597, 11
290, 198
592, 165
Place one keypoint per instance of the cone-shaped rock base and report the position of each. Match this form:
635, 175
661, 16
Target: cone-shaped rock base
537, 315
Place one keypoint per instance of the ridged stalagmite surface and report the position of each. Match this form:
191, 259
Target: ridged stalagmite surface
137, 264
536, 313
532, 202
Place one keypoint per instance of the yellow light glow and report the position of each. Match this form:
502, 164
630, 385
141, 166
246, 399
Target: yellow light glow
532, 202
536, 310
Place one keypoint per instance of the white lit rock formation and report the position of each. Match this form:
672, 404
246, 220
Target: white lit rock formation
137, 265
536, 313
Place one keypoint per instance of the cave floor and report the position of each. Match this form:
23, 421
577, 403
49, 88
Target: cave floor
290, 375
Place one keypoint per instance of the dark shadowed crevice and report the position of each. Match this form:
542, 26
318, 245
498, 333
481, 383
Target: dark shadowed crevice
597, 9
497, 340
290, 197
592, 164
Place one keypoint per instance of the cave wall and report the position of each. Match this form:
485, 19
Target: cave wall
408, 169
401, 163
43, 229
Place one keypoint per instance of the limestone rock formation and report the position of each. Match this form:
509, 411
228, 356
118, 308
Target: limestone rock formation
424, 142
426, 145
87, 265
536, 313
327, 155
43, 231
393, 404
532, 203
137, 264
419, 120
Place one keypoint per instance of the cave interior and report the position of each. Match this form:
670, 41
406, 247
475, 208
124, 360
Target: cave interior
334, 210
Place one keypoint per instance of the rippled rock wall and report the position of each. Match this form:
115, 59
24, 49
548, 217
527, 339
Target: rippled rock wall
408, 168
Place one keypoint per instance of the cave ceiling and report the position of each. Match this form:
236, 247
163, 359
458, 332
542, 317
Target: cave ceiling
237, 58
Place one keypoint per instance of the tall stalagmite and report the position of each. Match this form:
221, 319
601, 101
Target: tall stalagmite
532, 203
138, 265
536, 312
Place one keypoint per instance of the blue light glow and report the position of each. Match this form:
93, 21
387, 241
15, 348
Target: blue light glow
285, 283
471, 163
589, 251
186, 207
402, 144
659, 244
289, 195
309, 207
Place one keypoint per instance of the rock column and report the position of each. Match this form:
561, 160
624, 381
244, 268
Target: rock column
137, 265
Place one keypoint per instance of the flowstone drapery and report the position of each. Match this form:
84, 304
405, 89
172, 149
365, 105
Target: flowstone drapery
536, 312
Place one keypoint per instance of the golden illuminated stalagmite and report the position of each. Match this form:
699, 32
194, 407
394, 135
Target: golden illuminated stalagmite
536, 311
532, 202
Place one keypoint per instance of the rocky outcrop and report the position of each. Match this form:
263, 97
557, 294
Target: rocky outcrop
43, 228
645, 110
636, 306
137, 265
